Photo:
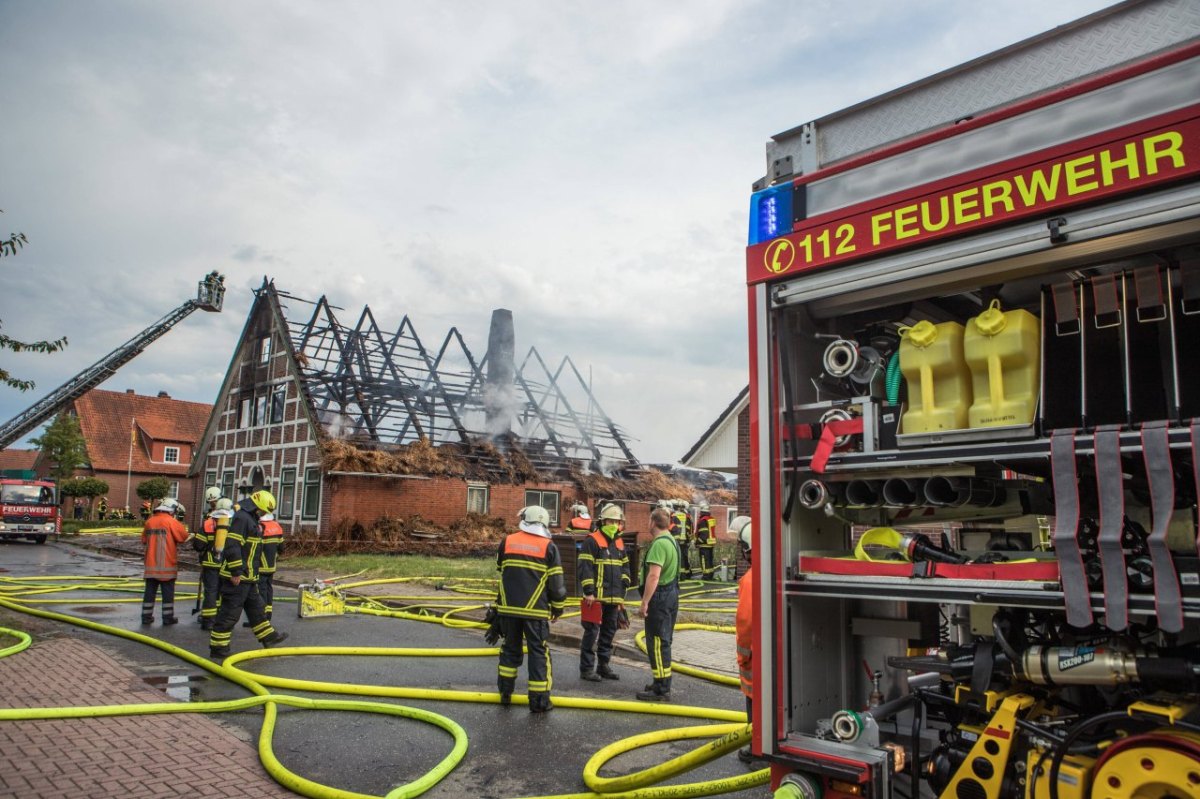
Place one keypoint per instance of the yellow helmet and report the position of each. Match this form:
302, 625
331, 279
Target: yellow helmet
263, 500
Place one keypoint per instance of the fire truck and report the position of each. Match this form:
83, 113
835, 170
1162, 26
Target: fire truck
29, 509
975, 427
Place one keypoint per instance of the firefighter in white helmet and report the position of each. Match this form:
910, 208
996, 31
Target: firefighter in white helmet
209, 542
581, 521
744, 623
604, 577
240, 563
532, 594
706, 540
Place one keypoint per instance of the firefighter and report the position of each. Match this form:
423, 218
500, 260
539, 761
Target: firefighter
600, 508
580, 522
603, 569
532, 595
744, 625
161, 537
210, 543
145, 509
681, 531
239, 578
706, 539
660, 604
272, 549
102, 508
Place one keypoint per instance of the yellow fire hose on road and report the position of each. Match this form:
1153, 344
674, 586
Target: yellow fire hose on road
729, 735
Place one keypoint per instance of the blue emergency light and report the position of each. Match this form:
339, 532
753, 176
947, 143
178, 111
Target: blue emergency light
771, 213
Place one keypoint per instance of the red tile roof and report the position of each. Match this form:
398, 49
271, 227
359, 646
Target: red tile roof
17, 458
106, 419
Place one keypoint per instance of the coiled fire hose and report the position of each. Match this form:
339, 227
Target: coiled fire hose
732, 734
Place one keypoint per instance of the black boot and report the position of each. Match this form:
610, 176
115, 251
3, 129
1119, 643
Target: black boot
539, 702
659, 692
590, 676
274, 640
505, 685
604, 671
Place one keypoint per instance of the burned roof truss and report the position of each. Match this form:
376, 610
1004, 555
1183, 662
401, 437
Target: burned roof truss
368, 385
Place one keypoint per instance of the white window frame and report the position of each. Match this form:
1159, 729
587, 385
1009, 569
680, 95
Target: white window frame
473, 489
171, 455
261, 410
264, 349
173, 491
542, 492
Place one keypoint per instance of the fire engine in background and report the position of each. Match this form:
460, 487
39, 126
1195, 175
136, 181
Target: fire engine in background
975, 426
29, 509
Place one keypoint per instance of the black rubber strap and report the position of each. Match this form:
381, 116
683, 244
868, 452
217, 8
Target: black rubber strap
1066, 529
1111, 490
1157, 452
1189, 278
1107, 301
1151, 306
1066, 309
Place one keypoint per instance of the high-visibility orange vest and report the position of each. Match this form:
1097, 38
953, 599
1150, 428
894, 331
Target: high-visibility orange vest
161, 536
744, 622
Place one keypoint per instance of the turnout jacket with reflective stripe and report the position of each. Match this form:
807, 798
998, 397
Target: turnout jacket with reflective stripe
706, 531
744, 625
603, 568
243, 547
213, 533
161, 536
272, 545
531, 577
681, 527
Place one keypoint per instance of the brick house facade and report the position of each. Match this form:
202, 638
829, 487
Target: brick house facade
133, 437
265, 433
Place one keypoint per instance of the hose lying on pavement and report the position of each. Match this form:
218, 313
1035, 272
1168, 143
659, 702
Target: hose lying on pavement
23, 642
733, 734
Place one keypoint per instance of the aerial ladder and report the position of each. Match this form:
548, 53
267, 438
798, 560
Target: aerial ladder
210, 295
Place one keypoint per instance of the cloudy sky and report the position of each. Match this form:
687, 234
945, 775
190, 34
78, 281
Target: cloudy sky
586, 165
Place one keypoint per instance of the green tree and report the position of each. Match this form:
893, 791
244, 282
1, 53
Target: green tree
86, 487
154, 489
62, 445
8, 248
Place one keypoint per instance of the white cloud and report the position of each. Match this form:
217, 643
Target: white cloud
585, 165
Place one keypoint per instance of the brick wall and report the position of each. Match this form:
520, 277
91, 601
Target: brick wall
743, 456
117, 483
441, 500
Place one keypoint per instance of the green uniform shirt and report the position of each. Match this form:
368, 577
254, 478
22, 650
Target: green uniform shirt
664, 552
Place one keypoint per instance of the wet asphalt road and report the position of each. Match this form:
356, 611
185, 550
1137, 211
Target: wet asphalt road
512, 752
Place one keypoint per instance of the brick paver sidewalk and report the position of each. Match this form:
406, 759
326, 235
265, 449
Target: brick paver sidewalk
138, 757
